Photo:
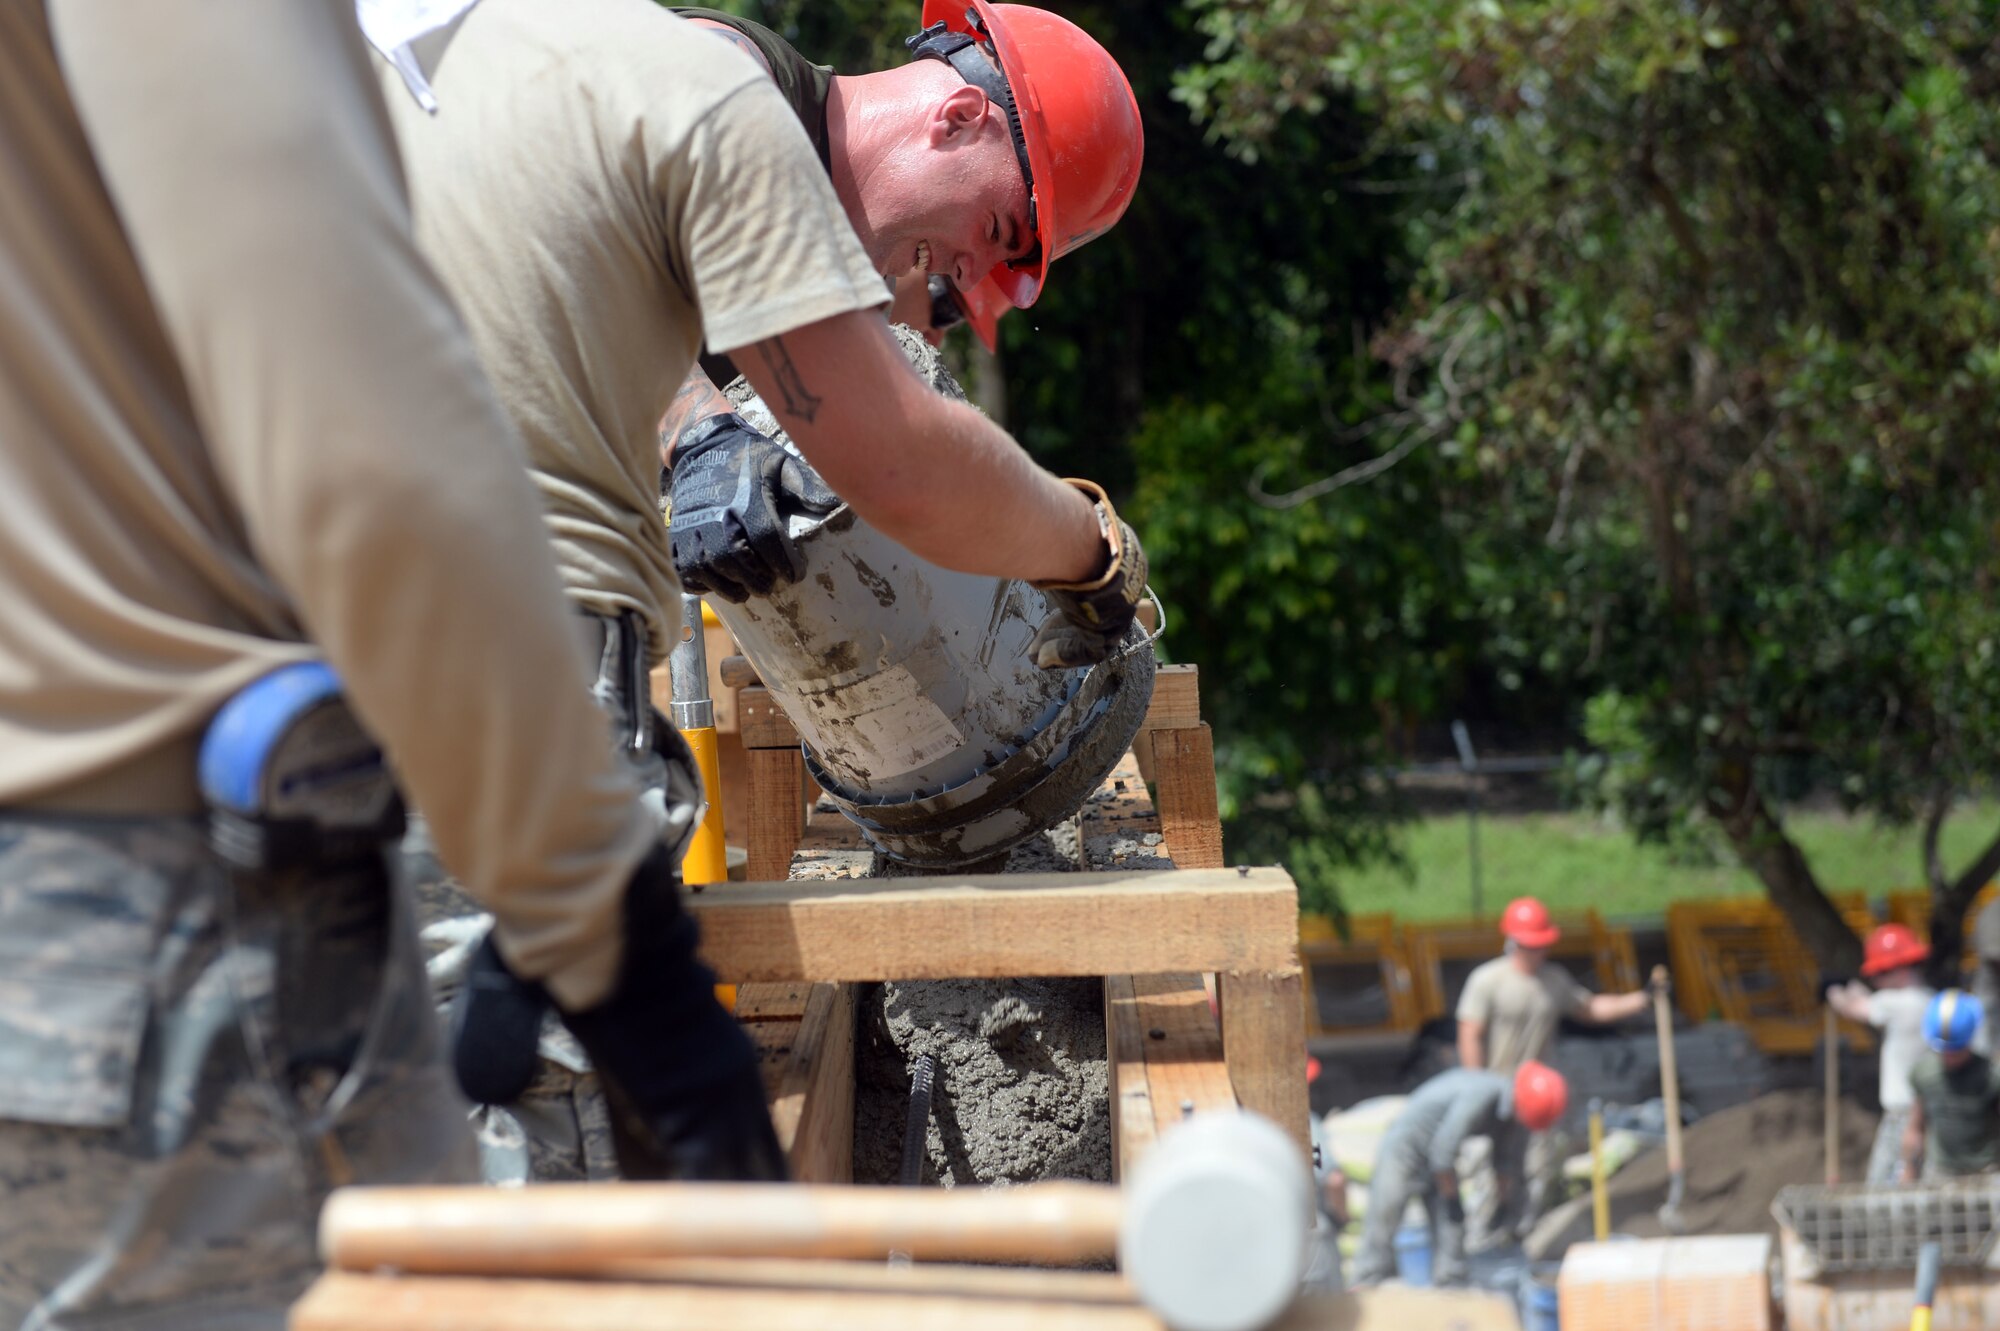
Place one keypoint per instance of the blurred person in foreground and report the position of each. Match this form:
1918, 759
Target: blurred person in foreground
245, 433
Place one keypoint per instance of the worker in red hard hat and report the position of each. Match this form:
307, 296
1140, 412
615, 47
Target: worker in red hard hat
1892, 963
1510, 1008
604, 187
1010, 139
1418, 1159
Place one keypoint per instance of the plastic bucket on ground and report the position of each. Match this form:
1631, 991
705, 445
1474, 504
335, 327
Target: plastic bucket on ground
1413, 1256
1539, 1303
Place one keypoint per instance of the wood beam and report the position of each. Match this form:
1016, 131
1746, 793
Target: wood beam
1002, 926
1264, 1041
1184, 774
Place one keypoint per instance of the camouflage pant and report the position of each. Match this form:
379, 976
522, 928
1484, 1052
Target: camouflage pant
188, 1063
559, 1131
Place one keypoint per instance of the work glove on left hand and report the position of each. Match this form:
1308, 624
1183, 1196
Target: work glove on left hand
1091, 618
682, 1079
733, 494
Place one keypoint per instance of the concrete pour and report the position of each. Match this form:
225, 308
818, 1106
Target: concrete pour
1021, 1090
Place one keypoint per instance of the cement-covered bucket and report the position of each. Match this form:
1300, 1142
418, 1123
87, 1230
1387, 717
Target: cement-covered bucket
922, 717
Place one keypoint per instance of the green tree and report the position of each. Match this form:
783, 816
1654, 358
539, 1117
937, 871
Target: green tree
1706, 353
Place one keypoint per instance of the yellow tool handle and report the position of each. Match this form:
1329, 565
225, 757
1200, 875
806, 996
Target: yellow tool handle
1600, 1194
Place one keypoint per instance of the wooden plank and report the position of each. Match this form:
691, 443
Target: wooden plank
847, 1300
1185, 1066
762, 723
1184, 768
1264, 1040
777, 813
1132, 1131
775, 1273
1166, 1059
1008, 925
342, 1301
1176, 703
813, 1111
772, 1002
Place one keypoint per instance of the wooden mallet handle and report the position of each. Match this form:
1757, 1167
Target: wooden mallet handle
585, 1229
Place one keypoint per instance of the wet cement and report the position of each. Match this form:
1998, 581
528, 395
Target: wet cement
1021, 1091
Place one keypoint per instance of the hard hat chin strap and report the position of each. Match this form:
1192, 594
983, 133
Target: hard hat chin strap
967, 54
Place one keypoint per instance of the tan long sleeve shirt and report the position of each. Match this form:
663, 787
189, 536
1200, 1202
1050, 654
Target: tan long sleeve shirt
238, 415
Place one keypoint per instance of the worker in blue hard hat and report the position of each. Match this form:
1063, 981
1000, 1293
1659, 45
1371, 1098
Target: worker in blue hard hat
1954, 1127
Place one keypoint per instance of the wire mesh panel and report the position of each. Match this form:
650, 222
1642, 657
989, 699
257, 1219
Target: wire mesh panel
1856, 1227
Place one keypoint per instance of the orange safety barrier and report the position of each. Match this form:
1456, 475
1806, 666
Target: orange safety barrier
1372, 943
1740, 960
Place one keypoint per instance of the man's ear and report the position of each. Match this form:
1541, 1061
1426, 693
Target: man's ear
956, 117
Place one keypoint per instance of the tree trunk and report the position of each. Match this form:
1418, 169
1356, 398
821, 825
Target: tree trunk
1951, 898
1761, 844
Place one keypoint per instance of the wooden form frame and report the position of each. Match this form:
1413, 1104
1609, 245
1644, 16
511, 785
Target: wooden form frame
1132, 928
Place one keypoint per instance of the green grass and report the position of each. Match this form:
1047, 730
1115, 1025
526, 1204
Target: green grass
1572, 862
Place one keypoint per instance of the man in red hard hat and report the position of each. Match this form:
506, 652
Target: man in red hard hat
1510, 1007
1418, 1159
1892, 962
1009, 140
604, 188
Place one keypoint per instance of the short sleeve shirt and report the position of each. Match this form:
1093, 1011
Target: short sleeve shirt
1961, 1114
1519, 1010
1899, 1015
603, 187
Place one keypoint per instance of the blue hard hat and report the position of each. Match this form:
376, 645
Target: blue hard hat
1952, 1020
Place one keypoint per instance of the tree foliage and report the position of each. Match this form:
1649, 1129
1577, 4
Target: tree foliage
1704, 358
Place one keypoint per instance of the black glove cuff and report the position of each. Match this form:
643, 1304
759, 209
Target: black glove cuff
496, 1029
661, 1035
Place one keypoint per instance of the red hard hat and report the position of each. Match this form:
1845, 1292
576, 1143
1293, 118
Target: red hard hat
1891, 946
1526, 921
1540, 1096
983, 306
1079, 127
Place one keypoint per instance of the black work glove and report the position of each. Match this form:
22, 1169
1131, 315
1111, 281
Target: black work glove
683, 1081
1091, 618
496, 1029
733, 491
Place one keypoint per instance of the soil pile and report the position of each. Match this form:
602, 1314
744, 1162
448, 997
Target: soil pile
1736, 1161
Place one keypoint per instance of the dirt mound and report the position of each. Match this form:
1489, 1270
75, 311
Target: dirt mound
1737, 1160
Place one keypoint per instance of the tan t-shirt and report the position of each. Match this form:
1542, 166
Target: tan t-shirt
238, 412
1519, 1011
603, 185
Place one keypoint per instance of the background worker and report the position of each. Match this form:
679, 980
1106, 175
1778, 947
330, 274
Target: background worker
1954, 1123
1508, 1014
1892, 961
657, 192
996, 150
244, 429
1418, 1159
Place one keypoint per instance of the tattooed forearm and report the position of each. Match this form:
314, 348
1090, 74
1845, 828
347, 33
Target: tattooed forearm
696, 401
799, 400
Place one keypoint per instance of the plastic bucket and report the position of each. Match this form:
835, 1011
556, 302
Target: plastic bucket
1413, 1256
1539, 1303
